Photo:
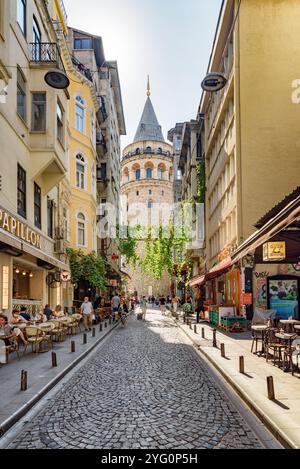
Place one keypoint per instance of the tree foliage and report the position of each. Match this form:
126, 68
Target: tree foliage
90, 267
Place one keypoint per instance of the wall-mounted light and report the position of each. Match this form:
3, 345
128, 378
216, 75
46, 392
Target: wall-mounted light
17, 271
24, 273
31, 275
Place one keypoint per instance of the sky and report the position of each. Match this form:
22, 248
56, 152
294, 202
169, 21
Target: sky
169, 40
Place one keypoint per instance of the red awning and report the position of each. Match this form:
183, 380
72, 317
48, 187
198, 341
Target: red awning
197, 281
219, 269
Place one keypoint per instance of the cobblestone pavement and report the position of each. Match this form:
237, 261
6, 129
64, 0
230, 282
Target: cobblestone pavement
144, 388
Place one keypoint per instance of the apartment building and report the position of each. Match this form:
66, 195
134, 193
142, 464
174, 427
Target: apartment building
33, 138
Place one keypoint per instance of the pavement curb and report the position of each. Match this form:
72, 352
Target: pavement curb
272, 427
11, 421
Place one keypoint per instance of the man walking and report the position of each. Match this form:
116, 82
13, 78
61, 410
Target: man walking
87, 311
144, 307
115, 304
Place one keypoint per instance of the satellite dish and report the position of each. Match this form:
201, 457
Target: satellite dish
57, 79
214, 82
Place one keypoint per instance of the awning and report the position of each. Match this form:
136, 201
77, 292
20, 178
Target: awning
215, 272
219, 269
197, 281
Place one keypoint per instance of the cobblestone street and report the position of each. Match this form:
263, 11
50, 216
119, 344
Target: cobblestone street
144, 388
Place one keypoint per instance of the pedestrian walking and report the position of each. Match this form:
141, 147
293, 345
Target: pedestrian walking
143, 305
162, 302
175, 303
87, 311
115, 304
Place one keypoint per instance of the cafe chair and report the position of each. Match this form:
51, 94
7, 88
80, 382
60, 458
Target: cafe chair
35, 337
76, 322
11, 348
291, 356
272, 344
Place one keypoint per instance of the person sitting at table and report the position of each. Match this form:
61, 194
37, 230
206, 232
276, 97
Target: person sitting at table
17, 318
40, 317
10, 331
58, 312
24, 314
48, 312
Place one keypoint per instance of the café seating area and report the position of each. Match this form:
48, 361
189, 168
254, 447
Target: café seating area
278, 341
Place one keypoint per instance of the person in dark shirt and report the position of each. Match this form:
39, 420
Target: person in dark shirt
48, 312
24, 314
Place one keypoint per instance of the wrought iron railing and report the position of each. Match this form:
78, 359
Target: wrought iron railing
82, 69
45, 52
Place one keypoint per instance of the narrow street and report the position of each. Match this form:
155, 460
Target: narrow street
145, 387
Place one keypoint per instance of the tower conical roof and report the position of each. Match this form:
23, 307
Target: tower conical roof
149, 128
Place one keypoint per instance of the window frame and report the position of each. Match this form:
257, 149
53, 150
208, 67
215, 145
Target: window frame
50, 218
138, 174
149, 173
37, 206
22, 191
21, 91
80, 117
60, 128
81, 221
80, 175
38, 103
23, 27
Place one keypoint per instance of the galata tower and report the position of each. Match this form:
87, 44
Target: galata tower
147, 183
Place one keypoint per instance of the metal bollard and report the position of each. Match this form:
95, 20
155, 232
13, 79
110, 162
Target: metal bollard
110, 321
215, 338
223, 351
24, 380
271, 391
105, 324
72, 346
100, 327
84, 339
195, 328
242, 365
190, 325
54, 360
203, 333
94, 332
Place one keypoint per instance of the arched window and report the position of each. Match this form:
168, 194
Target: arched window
80, 172
150, 204
149, 173
138, 174
137, 151
126, 174
159, 151
79, 114
81, 229
160, 171
148, 150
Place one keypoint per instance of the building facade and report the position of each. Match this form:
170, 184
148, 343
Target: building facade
33, 136
147, 185
245, 137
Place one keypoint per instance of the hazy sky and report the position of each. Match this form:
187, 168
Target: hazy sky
170, 40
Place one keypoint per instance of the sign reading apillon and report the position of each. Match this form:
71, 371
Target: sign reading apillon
19, 229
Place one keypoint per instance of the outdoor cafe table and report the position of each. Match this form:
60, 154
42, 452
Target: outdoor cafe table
261, 328
289, 323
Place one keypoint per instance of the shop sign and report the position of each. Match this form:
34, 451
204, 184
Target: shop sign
224, 254
247, 299
275, 251
213, 82
65, 276
15, 227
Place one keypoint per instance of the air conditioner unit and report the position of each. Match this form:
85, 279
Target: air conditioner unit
59, 233
59, 247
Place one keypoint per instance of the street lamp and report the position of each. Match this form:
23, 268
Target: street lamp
57, 78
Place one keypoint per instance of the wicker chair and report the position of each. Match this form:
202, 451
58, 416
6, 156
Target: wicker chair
36, 338
10, 348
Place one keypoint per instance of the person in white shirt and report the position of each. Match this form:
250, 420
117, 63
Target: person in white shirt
87, 311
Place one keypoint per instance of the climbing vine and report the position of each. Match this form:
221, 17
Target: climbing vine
91, 267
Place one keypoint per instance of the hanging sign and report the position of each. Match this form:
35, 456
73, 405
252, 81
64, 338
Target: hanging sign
65, 276
275, 251
214, 82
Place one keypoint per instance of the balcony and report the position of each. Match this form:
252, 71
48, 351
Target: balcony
102, 179
101, 144
102, 112
82, 69
45, 54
